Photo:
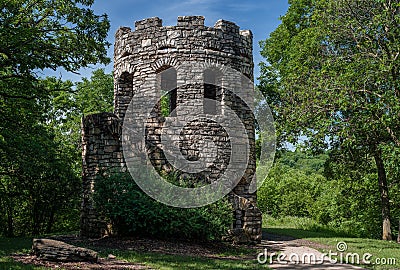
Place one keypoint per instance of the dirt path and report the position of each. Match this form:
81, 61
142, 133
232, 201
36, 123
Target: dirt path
303, 252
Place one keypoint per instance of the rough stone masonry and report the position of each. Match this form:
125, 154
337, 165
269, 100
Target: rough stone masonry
154, 50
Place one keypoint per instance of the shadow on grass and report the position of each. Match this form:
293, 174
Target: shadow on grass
15, 266
14, 245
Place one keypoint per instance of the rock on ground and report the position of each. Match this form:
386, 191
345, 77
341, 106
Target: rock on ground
53, 250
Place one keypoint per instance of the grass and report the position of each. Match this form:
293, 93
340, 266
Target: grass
307, 229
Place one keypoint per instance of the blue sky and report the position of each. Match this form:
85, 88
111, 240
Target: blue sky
260, 16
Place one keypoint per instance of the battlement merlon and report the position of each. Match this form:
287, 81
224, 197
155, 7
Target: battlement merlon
148, 23
191, 21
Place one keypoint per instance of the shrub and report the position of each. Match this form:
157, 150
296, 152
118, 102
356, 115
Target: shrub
289, 192
132, 212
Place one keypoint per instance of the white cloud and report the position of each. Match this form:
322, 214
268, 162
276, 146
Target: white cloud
206, 8
247, 6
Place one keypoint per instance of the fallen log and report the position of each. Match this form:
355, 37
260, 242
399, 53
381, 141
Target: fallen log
53, 250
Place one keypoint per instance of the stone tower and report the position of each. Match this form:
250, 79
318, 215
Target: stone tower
156, 51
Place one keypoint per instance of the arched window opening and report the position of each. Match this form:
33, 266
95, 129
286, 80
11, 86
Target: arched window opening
168, 90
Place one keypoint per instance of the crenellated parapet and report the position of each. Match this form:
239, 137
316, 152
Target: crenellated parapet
151, 36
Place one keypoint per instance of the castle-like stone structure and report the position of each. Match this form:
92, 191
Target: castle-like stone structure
156, 51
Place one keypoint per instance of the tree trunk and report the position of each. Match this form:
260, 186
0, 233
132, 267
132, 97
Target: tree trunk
10, 221
384, 192
50, 221
35, 223
398, 236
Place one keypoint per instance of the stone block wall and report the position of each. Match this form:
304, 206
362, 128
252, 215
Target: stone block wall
101, 151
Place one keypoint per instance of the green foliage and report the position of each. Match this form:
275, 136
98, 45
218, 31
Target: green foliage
133, 212
39, 171
301, 225
332, 75
289, 192
346, 199
37, 183
96, 94
66, 108
352, 200
325, 77
165, 105
303, 160
48, 34
40, 165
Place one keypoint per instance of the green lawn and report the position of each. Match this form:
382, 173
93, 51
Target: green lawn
300, 228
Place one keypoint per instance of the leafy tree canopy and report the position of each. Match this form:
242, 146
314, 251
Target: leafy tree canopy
332, 73
40, 34
39, 180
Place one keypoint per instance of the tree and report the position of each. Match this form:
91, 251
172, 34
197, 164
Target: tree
40, 34
37, 181
66, 108
40, 154
37, 177
332, 76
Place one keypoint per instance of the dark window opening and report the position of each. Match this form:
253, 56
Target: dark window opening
212, 91
124, 89
125, 85
168, 87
